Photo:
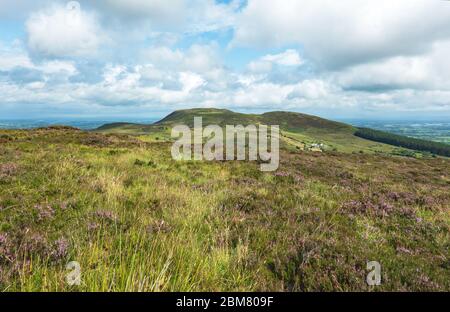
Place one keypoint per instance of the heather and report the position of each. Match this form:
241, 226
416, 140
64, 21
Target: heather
136, 220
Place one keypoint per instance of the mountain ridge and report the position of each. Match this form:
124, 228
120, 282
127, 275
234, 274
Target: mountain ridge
286, 119
298, 131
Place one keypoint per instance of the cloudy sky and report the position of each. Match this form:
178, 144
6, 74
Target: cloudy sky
136, 58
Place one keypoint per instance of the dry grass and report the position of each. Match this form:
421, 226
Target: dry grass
136, 220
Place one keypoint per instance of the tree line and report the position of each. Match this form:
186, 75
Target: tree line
403, 141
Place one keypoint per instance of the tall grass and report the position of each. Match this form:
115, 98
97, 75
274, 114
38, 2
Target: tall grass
160, 225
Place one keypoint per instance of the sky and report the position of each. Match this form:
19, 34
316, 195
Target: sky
363, 59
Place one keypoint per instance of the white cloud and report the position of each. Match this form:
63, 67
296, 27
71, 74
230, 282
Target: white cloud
150, 72
341, 33
186, 16
209, 15
163, 56
19, 8
13, 56
125, 86
310, 89
259, 67
356, 55
197, 58
261, 94
394, 73
429, 71
19, 68
265, 64
191, 81
161, 10
288, 58
59, 32
52, 67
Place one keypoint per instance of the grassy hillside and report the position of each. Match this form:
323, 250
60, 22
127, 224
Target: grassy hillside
220, 117
288, 121
299, 131
296, 122
136, 220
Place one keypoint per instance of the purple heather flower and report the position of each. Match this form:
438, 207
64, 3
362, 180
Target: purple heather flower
8, 169
5, 248
44, 212
61, 248
107, 215
92, 226
282, 174
36, 243
3, 238
63, 205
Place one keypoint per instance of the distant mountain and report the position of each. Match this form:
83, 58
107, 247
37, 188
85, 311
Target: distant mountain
298, 130
288, 121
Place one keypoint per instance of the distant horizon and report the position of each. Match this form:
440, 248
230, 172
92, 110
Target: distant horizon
93, 122
162, 114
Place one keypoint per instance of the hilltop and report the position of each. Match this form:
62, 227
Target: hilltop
286, 120
298, 131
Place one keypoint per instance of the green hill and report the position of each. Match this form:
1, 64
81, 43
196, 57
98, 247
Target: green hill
288, 121
298, 122
299, 131
117, 125
210, 116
